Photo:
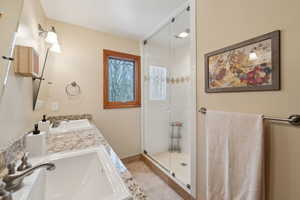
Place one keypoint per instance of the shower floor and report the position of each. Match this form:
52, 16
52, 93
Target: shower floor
179, 163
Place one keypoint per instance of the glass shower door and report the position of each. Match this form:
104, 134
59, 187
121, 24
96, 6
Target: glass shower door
181, 97
167, 98
157, 96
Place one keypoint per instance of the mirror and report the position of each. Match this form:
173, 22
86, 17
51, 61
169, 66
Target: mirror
36, 84
10, 11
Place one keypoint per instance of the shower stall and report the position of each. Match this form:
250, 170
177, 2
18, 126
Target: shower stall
169, 98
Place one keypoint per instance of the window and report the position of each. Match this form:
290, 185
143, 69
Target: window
158, 83
121, 80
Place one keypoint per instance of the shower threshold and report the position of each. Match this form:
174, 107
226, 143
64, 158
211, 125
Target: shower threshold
178, 163
168, 176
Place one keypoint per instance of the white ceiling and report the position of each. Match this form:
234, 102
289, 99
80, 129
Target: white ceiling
130, 18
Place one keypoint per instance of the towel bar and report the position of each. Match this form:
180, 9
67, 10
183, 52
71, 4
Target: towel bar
292, 119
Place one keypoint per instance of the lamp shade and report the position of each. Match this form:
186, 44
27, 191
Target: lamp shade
55, 48
51, 38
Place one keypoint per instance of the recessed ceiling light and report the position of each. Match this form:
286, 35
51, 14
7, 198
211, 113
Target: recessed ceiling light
183, 34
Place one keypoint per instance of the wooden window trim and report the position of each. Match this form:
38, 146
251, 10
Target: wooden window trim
137, 60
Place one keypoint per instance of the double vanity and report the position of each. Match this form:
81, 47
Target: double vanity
86, 168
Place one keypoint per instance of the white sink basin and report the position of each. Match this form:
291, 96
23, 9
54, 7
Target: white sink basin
86, 174
72, 125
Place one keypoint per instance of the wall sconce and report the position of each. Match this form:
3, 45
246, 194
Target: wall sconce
50, 37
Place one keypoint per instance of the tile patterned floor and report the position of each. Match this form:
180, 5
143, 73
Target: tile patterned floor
155, 188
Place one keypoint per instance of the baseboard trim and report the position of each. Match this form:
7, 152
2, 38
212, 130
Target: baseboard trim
131, 159
175, 186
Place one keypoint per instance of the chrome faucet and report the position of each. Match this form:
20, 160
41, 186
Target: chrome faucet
4, 195
14, 180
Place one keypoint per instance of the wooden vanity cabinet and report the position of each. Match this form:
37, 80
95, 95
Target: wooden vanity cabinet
26, 61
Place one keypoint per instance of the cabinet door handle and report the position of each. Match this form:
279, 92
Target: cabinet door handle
8, 58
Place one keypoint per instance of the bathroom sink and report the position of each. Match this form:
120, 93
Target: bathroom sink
85, 174
71, 125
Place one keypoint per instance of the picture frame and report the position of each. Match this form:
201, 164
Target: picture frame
252, 65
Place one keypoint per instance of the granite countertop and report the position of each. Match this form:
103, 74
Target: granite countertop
76, 140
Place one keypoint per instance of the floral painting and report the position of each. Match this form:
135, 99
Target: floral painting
250, 66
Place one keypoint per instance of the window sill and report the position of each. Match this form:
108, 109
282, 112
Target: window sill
121, 106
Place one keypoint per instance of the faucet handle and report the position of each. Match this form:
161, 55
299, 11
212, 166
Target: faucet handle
11, 168
24, 163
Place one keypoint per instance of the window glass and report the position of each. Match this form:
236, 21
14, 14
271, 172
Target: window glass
121, 80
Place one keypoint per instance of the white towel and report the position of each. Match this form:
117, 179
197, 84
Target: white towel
235, 156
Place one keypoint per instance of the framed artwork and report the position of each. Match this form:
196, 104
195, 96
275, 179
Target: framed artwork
252, 65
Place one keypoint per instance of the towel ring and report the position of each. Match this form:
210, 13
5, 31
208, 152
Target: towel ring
73, 89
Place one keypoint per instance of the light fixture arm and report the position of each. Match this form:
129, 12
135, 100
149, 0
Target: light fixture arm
42, 32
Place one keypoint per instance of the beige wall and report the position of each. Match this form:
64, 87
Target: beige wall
81, 61
222, 23
16, 114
